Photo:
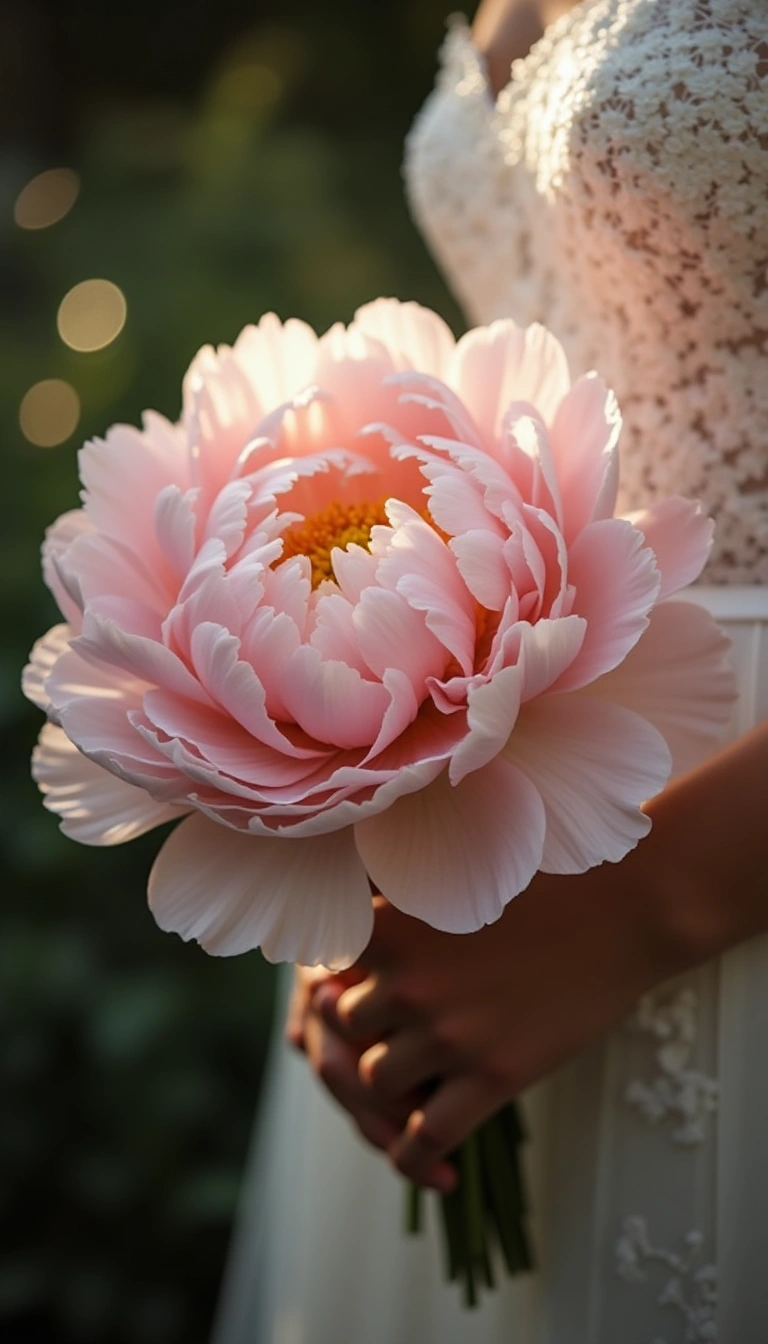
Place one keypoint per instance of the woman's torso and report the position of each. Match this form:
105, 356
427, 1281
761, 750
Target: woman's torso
617, 190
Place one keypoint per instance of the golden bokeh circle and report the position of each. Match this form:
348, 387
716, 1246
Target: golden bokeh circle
91, 315
49, 412
46, 199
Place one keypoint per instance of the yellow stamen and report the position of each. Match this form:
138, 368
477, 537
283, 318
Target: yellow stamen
339, 525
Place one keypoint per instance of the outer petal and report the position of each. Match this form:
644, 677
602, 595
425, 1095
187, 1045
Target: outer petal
680, 536
584, 437
594, 764
680, 678
497, 365
58, 539
299, 900
418, 335
45, 654
455, 857
95, 807
616, 582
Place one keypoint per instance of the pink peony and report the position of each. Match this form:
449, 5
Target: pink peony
366, 610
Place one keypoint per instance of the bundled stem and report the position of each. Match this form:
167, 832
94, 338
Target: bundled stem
487, 1210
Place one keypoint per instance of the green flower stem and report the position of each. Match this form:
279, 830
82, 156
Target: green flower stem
486, 1209
413, 1212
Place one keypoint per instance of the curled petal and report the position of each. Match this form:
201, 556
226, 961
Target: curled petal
45, 654
95, 807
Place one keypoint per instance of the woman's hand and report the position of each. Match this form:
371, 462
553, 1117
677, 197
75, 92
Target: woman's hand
431, 1033
470, 1021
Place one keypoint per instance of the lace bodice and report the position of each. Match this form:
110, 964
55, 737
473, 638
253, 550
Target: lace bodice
618, 191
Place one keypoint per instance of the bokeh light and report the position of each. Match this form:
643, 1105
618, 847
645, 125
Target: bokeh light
91, 315
46, 199
49, 412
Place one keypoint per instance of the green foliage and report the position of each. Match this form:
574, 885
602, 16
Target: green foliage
261, 171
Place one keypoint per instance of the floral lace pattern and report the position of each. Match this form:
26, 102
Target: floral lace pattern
691, 1289
677, 1090
615, 190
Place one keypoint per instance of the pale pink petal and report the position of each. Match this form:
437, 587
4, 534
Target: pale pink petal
584, 437
226, 746
492, 709
679, 677
331, 701
287, 589
455, 856
333, 634
403, 709
547, 649
95, 807
232, 684
616, 582
45, 654
134, 618
391, 634
680, 536
416, 334
137, 657
526, 453
480, 560
101, 567
268, 643
277, 358
123, 474
501, 495
58, 538
175, 527
299, 900
594, 764
456, 500
420, 567
355, 569
496, 365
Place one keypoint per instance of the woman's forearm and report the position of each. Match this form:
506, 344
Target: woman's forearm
705, 863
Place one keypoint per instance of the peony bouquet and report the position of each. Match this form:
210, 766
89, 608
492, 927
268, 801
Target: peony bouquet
365, 617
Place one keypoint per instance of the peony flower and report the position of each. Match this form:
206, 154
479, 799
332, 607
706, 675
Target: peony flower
365, 612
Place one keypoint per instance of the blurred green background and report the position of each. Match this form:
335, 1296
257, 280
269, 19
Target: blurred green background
230, 158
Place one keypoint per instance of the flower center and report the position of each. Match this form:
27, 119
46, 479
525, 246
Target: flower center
339, 525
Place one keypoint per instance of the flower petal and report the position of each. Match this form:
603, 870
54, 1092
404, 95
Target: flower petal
492, 709
96, 808
679, 677
419, 336
331, 701
455, 856
594, 764
616, 582
45, 654
680, 536
584, 438
299, 900
502, 363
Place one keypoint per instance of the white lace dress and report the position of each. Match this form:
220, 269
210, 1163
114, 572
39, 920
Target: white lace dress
617, 190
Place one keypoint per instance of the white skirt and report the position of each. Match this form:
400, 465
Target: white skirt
647, 1169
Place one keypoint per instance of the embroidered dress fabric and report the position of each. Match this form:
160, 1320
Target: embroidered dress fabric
616, 190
